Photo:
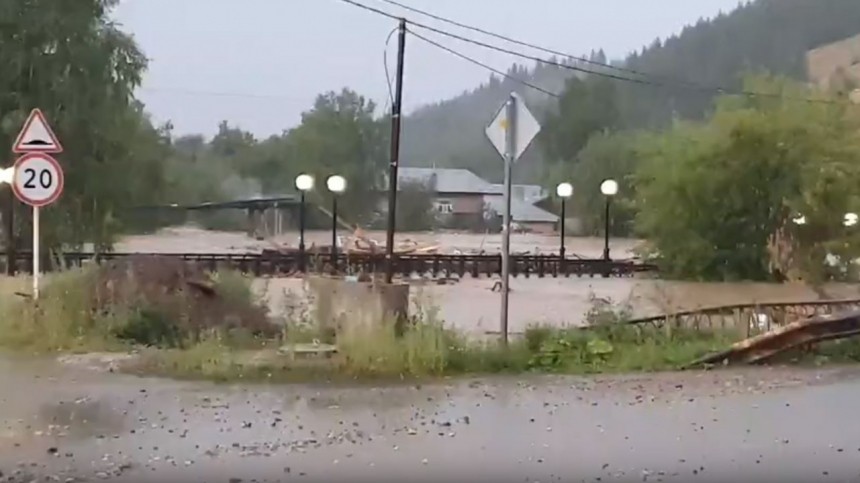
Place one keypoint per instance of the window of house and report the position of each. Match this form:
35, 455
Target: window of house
444, 207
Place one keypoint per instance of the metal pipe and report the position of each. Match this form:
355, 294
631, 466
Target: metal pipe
606, 230
334, 233
302, 254
561, 250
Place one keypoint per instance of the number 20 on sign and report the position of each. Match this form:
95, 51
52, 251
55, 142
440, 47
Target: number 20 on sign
38, 179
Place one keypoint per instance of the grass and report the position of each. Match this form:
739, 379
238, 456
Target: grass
64, 322
60, 322
428, 350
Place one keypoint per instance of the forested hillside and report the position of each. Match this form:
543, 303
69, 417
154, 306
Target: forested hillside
771, 35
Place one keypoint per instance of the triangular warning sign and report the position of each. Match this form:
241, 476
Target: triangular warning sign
37, 136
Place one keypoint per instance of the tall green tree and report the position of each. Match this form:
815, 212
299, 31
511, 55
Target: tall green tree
70, 60
342, 136
605, 156
586, 107
415, 207
714, 197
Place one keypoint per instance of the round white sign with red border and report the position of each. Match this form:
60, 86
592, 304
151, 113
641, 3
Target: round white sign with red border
38, 179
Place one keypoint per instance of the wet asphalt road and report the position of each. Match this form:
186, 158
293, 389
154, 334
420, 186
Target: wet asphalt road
759, 425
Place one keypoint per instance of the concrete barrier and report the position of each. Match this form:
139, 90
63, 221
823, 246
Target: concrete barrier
339, 306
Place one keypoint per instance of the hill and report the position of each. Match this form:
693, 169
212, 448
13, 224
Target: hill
772, 35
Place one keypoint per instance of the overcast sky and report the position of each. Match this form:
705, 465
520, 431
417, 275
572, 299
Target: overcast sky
260, 63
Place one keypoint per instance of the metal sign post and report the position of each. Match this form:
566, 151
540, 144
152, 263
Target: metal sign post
511, 132
36, 255
511, 148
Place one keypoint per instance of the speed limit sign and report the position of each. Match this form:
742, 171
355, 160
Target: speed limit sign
38, 179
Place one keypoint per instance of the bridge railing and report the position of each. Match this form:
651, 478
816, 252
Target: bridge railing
429, 265
747, 319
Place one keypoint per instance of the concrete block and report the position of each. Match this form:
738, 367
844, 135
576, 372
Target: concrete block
339, 305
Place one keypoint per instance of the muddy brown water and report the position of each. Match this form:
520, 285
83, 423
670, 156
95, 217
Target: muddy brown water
470, 305
751, 425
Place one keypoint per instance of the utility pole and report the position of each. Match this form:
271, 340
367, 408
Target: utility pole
396, 111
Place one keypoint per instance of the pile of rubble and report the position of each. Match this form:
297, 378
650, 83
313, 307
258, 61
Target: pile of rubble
359, 243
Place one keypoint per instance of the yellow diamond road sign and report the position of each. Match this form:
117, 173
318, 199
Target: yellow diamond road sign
526, 129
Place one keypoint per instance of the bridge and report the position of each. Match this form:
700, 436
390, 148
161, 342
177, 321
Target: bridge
281, 264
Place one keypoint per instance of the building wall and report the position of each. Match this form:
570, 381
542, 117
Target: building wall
460, 211
462, 204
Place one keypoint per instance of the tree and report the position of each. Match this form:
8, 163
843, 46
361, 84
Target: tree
587, 106
713, 198
69, 59
415, 207
341, 135
605, 156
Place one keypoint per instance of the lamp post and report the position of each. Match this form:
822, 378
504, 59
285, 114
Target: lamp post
564, 191
336, 185
609, 188
304, 183
7, 175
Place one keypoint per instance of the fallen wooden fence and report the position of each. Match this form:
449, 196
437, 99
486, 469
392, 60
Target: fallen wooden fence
764, 347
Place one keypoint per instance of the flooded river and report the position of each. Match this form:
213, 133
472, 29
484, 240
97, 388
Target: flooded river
472, 306
751, 425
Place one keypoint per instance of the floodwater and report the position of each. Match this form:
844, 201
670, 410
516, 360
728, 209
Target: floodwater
752, 425
471, 306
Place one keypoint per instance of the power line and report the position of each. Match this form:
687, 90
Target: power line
526, 44
485, 66
488, 46
712, 90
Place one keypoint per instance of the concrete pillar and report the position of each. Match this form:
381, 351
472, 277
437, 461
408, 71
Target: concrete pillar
342, 307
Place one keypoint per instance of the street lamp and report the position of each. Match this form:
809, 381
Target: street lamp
564, 191
337, 185
304, 183
850, 219
7, 175
609, 188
